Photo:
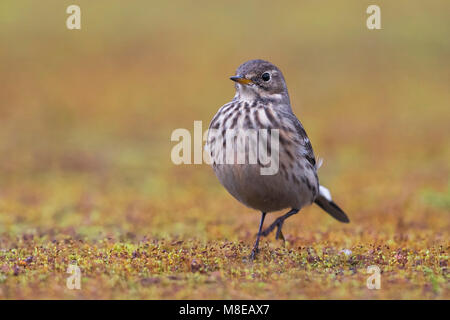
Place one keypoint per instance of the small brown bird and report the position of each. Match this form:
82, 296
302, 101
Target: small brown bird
262, 104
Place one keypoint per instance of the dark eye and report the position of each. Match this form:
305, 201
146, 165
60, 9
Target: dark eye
266, 76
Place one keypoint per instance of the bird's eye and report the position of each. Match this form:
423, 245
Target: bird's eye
266, 76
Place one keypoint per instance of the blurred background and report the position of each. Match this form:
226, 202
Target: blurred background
86, 116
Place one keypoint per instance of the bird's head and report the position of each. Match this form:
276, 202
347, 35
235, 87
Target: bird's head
260, 79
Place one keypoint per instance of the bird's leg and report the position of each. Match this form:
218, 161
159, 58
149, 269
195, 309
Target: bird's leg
279, 234
279, 224
255, 247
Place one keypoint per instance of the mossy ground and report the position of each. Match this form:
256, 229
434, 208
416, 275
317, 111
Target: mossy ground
86, 175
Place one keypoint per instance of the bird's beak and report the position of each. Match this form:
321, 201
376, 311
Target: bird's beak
241, 80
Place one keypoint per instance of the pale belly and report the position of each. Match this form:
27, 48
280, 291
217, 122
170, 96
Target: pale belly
265, 193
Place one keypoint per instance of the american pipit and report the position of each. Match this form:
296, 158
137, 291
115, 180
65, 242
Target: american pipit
262, 103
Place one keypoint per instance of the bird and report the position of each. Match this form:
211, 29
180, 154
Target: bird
262, 104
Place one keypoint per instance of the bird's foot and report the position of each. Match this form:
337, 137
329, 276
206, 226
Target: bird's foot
253, 254
277, 223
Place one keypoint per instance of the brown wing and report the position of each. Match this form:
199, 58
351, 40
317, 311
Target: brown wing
304, 140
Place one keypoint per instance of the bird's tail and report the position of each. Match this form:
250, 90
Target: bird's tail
324, 201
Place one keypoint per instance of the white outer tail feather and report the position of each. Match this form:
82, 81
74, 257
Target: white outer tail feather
325, 193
